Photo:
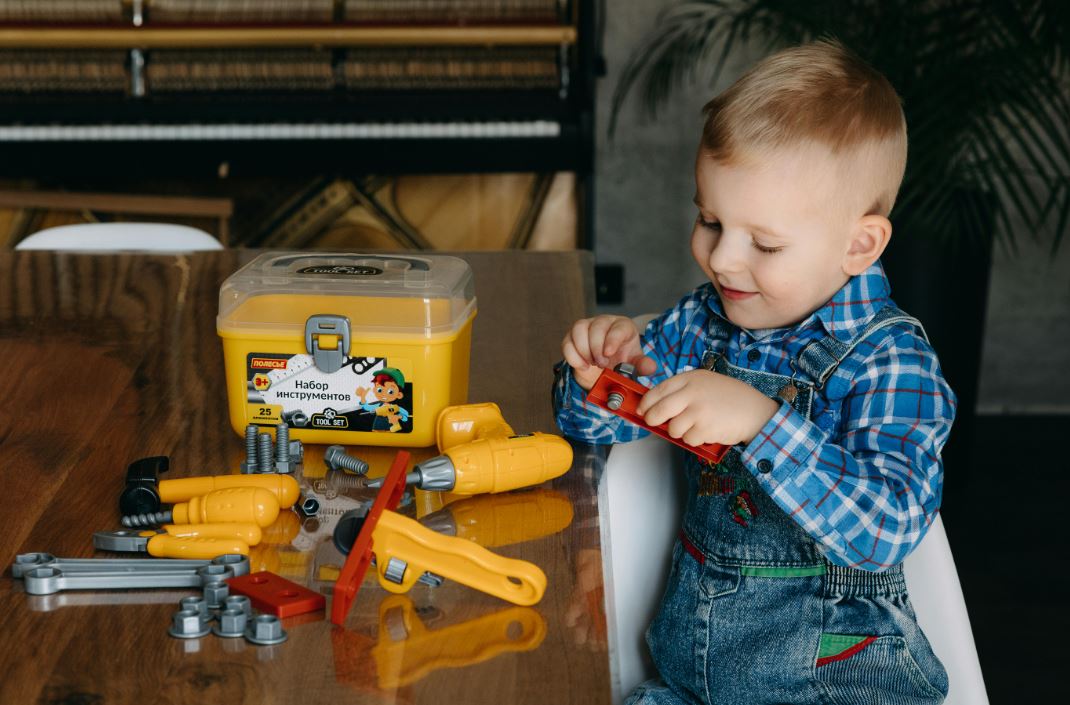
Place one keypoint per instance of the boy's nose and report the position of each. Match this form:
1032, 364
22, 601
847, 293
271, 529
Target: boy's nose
727, 253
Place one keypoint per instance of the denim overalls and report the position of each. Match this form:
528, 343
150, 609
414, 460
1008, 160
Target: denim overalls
752, 612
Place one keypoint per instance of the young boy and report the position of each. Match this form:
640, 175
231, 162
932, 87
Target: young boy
787, 583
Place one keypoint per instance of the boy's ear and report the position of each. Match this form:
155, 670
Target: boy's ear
868, 240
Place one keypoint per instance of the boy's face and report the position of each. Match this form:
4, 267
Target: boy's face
387, 392
772, 234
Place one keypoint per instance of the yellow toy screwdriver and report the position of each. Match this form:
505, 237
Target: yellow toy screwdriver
481, 453
236, 504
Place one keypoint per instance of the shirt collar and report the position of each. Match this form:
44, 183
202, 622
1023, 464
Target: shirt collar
849, 310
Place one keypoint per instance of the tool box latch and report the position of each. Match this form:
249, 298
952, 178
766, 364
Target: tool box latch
324, 324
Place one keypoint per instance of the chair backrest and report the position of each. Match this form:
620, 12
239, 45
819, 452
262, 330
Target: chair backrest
111, 237
643, 480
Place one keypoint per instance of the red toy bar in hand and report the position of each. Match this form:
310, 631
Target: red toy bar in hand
617, 391
360, 555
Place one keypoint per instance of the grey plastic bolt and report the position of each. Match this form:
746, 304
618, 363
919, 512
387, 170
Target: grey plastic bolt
282, 449
187, 624
198, 605
249, 464
232, 623
264, 630
337, 459
265, 462
395, 570
616, 399
215, 592
239, 602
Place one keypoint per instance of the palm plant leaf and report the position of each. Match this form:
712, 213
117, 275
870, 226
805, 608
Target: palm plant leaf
983, 83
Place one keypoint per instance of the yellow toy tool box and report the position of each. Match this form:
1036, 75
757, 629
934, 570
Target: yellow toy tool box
347, 348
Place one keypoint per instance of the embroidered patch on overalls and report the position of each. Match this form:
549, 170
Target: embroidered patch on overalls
743, 508
711, 483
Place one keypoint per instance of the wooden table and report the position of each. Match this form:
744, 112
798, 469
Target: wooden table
109, 358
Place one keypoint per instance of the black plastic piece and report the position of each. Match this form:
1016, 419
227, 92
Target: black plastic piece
142, 494
347, 529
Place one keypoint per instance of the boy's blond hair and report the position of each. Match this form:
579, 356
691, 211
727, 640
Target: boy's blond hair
816, 93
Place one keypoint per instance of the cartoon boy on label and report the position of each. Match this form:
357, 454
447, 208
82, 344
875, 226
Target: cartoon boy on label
389, 383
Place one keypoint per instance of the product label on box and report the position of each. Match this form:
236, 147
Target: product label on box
365, 394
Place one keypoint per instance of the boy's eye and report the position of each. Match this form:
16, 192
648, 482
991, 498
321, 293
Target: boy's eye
762, 248
709, 224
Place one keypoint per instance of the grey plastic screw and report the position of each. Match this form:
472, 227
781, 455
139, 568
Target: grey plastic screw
265, 462
198, 605
215, 592
149, 519
337, 459
232, 623
187, 624
249, 464
265, 629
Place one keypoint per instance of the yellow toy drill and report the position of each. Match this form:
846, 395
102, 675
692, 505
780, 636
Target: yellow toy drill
481, 453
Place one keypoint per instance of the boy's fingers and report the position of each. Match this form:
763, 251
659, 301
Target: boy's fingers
681, 424
620, 334
572, 357
645, 366
581, 342
596, 338
656, 394
669, 407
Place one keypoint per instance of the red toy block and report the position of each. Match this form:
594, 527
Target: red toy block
276, 595
629, 393
360, 555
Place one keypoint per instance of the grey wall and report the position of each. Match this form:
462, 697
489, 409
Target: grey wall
643, 215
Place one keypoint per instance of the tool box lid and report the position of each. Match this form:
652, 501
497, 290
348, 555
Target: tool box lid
402, 294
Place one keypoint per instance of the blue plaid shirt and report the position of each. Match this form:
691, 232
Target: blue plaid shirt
863, 475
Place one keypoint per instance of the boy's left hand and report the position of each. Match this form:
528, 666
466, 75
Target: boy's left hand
707, 407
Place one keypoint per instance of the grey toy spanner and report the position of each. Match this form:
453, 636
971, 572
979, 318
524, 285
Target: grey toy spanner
44, 574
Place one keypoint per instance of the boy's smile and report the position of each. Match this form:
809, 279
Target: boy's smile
773, 235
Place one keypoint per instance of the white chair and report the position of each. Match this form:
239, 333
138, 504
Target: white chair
110, 237
640, 501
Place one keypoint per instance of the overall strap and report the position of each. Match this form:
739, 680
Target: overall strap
820, 358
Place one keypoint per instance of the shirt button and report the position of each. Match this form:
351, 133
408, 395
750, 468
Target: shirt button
753, 355
765, 466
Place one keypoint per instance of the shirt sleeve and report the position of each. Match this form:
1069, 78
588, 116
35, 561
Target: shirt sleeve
869, 492
674, 340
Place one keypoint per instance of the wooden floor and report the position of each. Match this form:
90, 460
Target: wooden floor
1009, 533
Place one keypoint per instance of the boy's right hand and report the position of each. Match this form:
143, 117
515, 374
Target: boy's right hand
593, 344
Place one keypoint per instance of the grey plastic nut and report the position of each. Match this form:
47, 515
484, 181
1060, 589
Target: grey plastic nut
264, 630
232, 623
239, 602
215, 593
198, 605
309, 506
187, 624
